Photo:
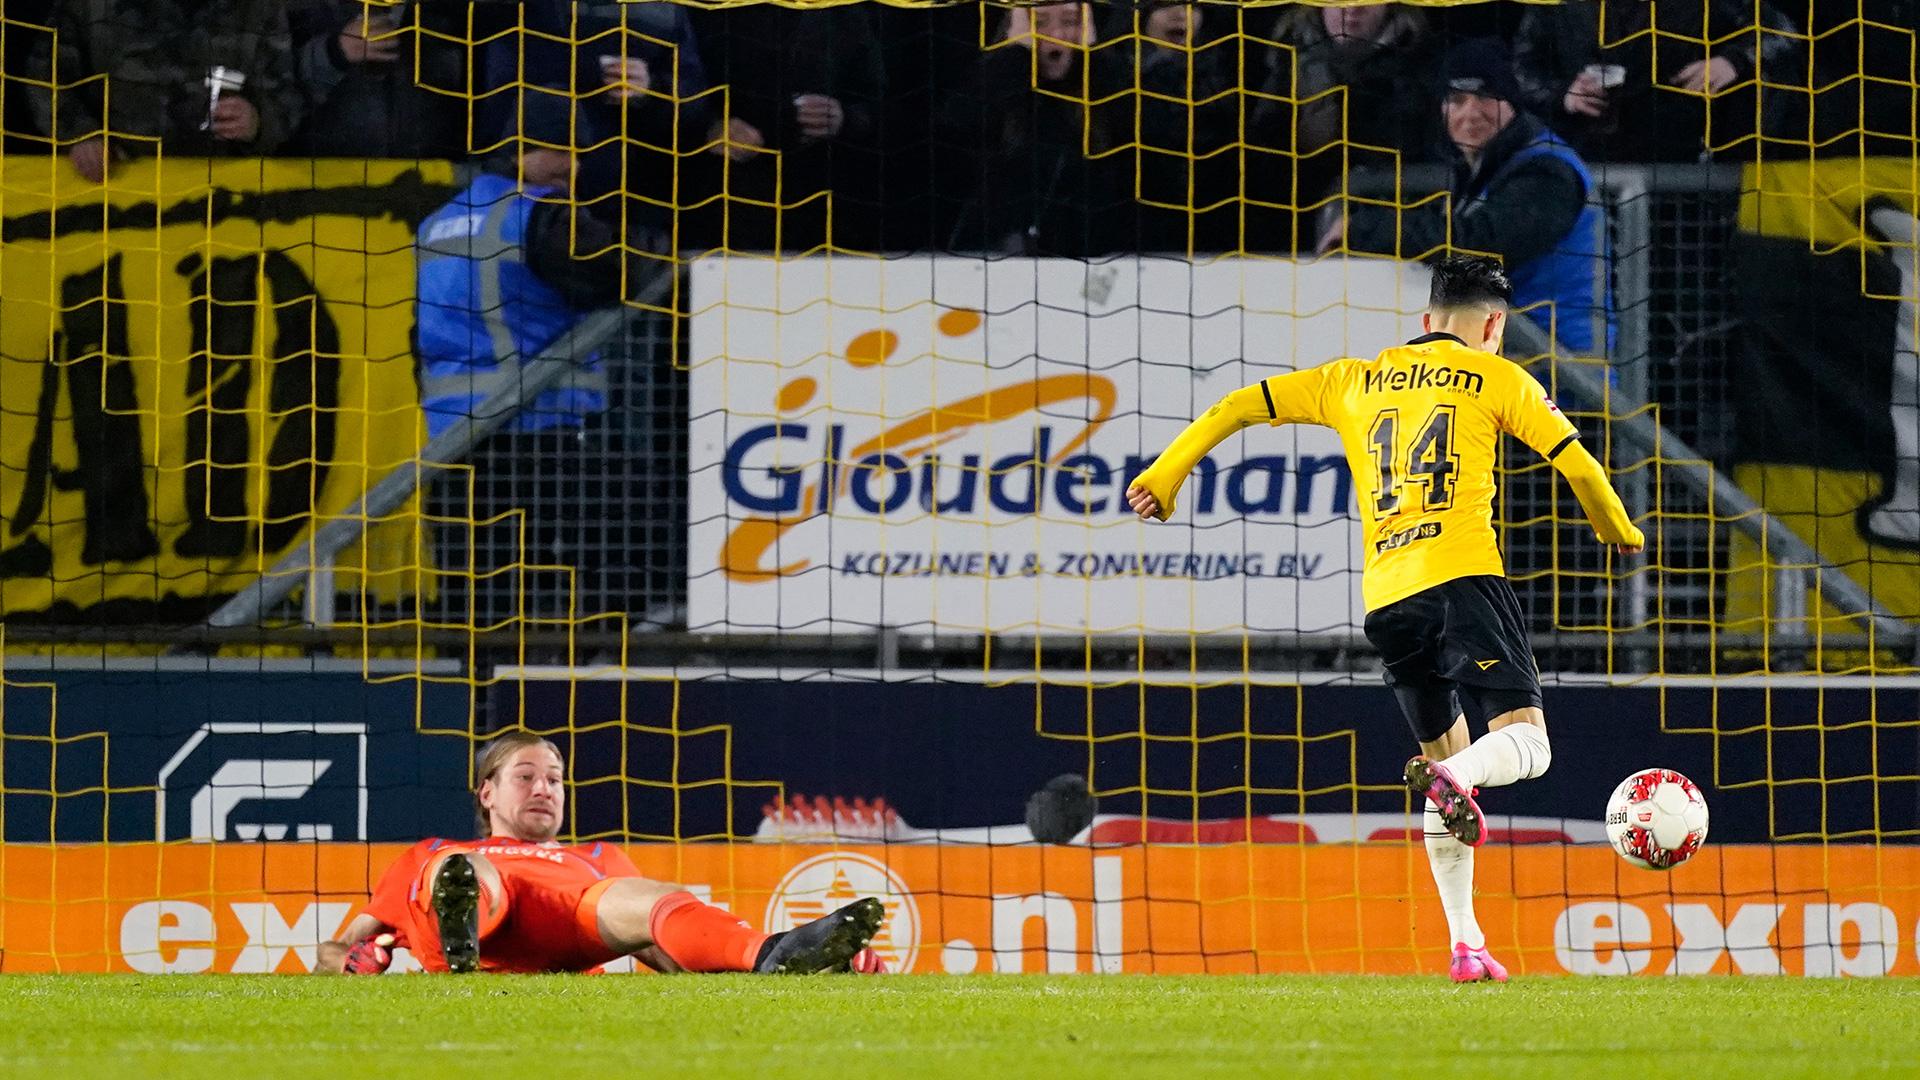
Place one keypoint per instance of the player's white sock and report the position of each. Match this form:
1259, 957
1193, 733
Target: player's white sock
1515, 752
1452, 863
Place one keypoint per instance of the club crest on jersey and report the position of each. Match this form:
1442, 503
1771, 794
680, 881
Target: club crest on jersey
1425, 377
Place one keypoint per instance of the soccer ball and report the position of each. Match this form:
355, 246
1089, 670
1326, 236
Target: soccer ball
1656, 819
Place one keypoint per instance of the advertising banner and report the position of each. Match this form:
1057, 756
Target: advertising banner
184, 754
199, 359
1786, 760
1237, 908
944, 445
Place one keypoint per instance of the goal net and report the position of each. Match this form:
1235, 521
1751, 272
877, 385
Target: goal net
770, 455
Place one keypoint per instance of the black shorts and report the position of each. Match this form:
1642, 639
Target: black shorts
1462, 639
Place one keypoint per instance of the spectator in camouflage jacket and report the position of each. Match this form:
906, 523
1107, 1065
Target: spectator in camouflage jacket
156, 56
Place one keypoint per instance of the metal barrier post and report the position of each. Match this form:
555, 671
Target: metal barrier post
1631, 210
1639, 430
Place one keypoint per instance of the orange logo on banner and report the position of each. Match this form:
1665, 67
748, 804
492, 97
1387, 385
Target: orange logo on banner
826, 882
743, 555
1814, 910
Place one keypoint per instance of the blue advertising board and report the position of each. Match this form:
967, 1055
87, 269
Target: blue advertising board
193, 755
188, 754
1776, 763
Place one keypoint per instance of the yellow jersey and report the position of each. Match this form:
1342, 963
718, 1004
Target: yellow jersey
1421, 425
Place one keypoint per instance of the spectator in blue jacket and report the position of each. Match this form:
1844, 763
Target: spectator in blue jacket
506, 269
1519, 192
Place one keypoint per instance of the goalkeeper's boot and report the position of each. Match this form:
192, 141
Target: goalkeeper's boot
1458, 812
456, 906
829, 943
1475, 965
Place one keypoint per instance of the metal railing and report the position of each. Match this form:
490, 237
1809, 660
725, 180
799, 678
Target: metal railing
311, 564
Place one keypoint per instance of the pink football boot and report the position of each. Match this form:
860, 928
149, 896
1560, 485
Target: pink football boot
1475, 965
1458, 811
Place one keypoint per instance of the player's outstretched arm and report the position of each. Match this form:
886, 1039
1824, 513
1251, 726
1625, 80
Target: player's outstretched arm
358, 950
1525, 410
1151, 493
1588, 478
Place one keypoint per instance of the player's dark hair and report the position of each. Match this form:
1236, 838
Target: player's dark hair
1469, 281
500, 749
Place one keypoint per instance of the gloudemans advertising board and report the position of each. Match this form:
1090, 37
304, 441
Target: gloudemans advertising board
944, 444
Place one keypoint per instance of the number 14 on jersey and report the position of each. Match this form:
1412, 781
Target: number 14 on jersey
1427, 458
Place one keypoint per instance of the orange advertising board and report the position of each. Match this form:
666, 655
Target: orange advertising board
1836, 910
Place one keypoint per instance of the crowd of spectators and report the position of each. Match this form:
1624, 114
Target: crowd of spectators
1066, 128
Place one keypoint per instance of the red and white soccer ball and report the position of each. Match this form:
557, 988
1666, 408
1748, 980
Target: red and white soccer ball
1657, 819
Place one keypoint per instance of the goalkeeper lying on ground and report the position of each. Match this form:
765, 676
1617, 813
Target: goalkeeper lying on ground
521, 901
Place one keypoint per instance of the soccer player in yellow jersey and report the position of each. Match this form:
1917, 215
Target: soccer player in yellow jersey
1421, 424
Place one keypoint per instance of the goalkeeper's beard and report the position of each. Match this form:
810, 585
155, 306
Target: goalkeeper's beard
529, 826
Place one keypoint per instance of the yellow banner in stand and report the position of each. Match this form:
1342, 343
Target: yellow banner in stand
196, 362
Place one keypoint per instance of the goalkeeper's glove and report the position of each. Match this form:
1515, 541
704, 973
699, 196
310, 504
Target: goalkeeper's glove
370, 957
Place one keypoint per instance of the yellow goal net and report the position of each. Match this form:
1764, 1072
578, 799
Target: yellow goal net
745, 396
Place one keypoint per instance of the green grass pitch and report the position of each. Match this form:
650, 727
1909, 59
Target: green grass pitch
979, 1027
